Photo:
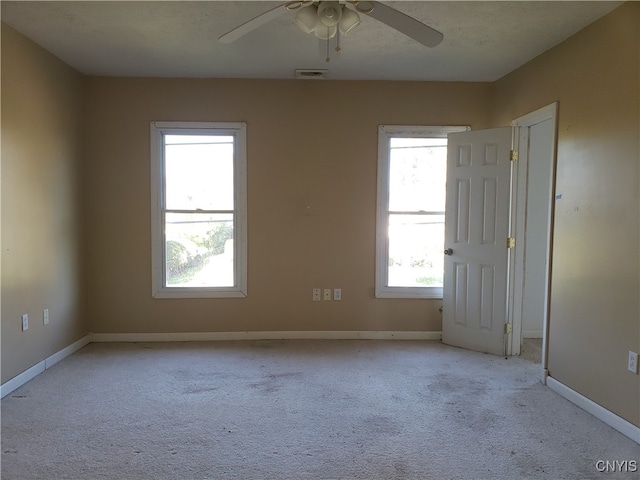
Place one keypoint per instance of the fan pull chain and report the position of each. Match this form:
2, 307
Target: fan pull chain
338, 48
328, 59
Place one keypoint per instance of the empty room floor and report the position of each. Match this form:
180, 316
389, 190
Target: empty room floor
298, 410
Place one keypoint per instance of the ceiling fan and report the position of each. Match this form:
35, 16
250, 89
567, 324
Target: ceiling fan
328, 19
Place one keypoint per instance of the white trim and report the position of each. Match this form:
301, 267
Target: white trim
65, 352
22, 378
601, 413
409, 292
537, 116
518, 230
385, 132
239, 131
286, 335
16, 382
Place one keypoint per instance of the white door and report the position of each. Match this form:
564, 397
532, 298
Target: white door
476, 230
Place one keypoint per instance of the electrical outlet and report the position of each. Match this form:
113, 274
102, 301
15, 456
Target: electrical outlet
45, 316
337, 294
632, 363
316, 294
327, 294
25, 322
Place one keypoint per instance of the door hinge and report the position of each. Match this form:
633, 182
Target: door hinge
511, 242
513, 156
507, 328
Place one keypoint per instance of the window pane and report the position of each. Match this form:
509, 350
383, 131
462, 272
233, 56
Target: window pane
416, 244
199, 250
417, 174
199, 172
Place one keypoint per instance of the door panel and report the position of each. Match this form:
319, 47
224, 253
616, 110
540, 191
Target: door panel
460, 299
463, 186
476, 230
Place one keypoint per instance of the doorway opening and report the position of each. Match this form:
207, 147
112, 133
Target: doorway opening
532, 225
498, 230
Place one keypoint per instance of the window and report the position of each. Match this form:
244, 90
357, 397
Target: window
412, 170
199, 224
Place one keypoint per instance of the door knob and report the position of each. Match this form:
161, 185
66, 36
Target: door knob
448, 251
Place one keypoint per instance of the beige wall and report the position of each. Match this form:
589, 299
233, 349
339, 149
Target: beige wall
41, 141
312, 159
594, 317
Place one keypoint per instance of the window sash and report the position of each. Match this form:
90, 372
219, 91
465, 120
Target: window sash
206, 167
209, 264
160, 286
411, 263
385, 133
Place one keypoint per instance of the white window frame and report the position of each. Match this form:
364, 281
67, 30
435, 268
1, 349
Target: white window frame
238, 131
385, 132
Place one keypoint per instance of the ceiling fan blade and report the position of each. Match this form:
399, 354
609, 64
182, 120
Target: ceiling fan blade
252, 24
411, 27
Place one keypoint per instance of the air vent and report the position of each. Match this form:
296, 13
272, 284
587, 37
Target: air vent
311, 74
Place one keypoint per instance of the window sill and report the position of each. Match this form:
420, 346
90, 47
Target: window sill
199, 293
410, 292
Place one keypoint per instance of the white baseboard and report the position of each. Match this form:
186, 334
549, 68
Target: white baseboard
22, 378
531, 333
217, 336
16, 382
607, 416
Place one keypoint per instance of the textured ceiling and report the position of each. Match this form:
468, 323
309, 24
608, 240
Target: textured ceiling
482, 40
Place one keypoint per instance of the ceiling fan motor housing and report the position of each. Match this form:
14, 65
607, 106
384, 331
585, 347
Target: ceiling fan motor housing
329, 13
326, 18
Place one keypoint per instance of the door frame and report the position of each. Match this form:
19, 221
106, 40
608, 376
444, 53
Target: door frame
518, 230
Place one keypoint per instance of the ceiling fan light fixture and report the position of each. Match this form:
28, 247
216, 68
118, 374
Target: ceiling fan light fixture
307, 18
296, 4
329, 13
364, 6
325, 33
349, 21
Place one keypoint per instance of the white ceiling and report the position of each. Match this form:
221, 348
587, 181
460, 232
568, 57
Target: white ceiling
482, 40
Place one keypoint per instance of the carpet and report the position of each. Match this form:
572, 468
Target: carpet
298, 410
